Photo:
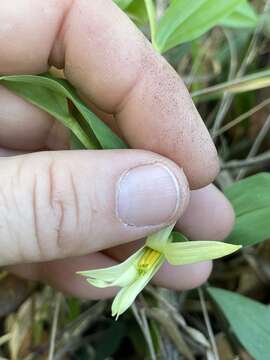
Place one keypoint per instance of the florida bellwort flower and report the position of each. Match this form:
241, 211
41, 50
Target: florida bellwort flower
133, 274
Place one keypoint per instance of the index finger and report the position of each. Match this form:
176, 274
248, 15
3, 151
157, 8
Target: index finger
111, 63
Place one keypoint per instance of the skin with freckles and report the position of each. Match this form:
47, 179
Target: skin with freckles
100, 47
65, 211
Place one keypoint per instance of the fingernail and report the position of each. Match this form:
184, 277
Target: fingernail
148, 195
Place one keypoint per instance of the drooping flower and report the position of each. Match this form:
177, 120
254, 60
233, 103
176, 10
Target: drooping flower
133, 274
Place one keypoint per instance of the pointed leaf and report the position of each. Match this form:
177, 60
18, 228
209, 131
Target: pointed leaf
251, 201
249, 319
107, 138
244, 16
185, 20
137, 12
52, 102
123, 4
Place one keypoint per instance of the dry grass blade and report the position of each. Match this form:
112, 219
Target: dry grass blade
169, 326
249, 57
226, 99
142, 322
256, 145
253, 46
195, 334
19, 328
208, 324
242, 117
254, 161
54, 325
5, 338
246, 83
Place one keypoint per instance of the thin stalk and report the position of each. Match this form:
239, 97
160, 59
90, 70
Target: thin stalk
253, 161
54, 326
242, 117
249, 57
235, 85
198, 61
208, 324
252, 49
256, 145
227, 98
145, 330
151, 12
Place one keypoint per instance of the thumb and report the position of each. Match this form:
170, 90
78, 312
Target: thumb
68, 203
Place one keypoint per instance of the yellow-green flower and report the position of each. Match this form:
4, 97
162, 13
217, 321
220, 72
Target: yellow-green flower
134, 273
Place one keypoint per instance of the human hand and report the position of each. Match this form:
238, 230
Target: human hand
64, 211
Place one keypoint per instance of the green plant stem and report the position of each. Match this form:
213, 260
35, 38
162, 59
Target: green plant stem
249, 57
253, 161
82, 135
54, 325
246, 83
145, 331
208, 324
256, 146
151, 12
243, 116
226, 98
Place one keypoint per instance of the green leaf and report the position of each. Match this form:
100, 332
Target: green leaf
52, 102
190, 252
244, 16
137, 12
73, 307
111, 338
186, 20
75, 143
51, 95
251, 201
249, 319
123, 4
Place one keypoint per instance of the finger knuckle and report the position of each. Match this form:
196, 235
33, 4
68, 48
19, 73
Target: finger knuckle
40, 210
55, 211
65, 208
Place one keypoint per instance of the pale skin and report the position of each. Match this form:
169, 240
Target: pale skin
63, 211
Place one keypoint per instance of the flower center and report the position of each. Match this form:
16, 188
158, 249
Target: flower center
148, 259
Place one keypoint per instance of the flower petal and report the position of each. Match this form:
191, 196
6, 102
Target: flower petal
159, 240
119, 275
195, 251
127, 295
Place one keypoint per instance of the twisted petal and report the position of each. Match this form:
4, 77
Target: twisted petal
121, 275
127, 295
195, 251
